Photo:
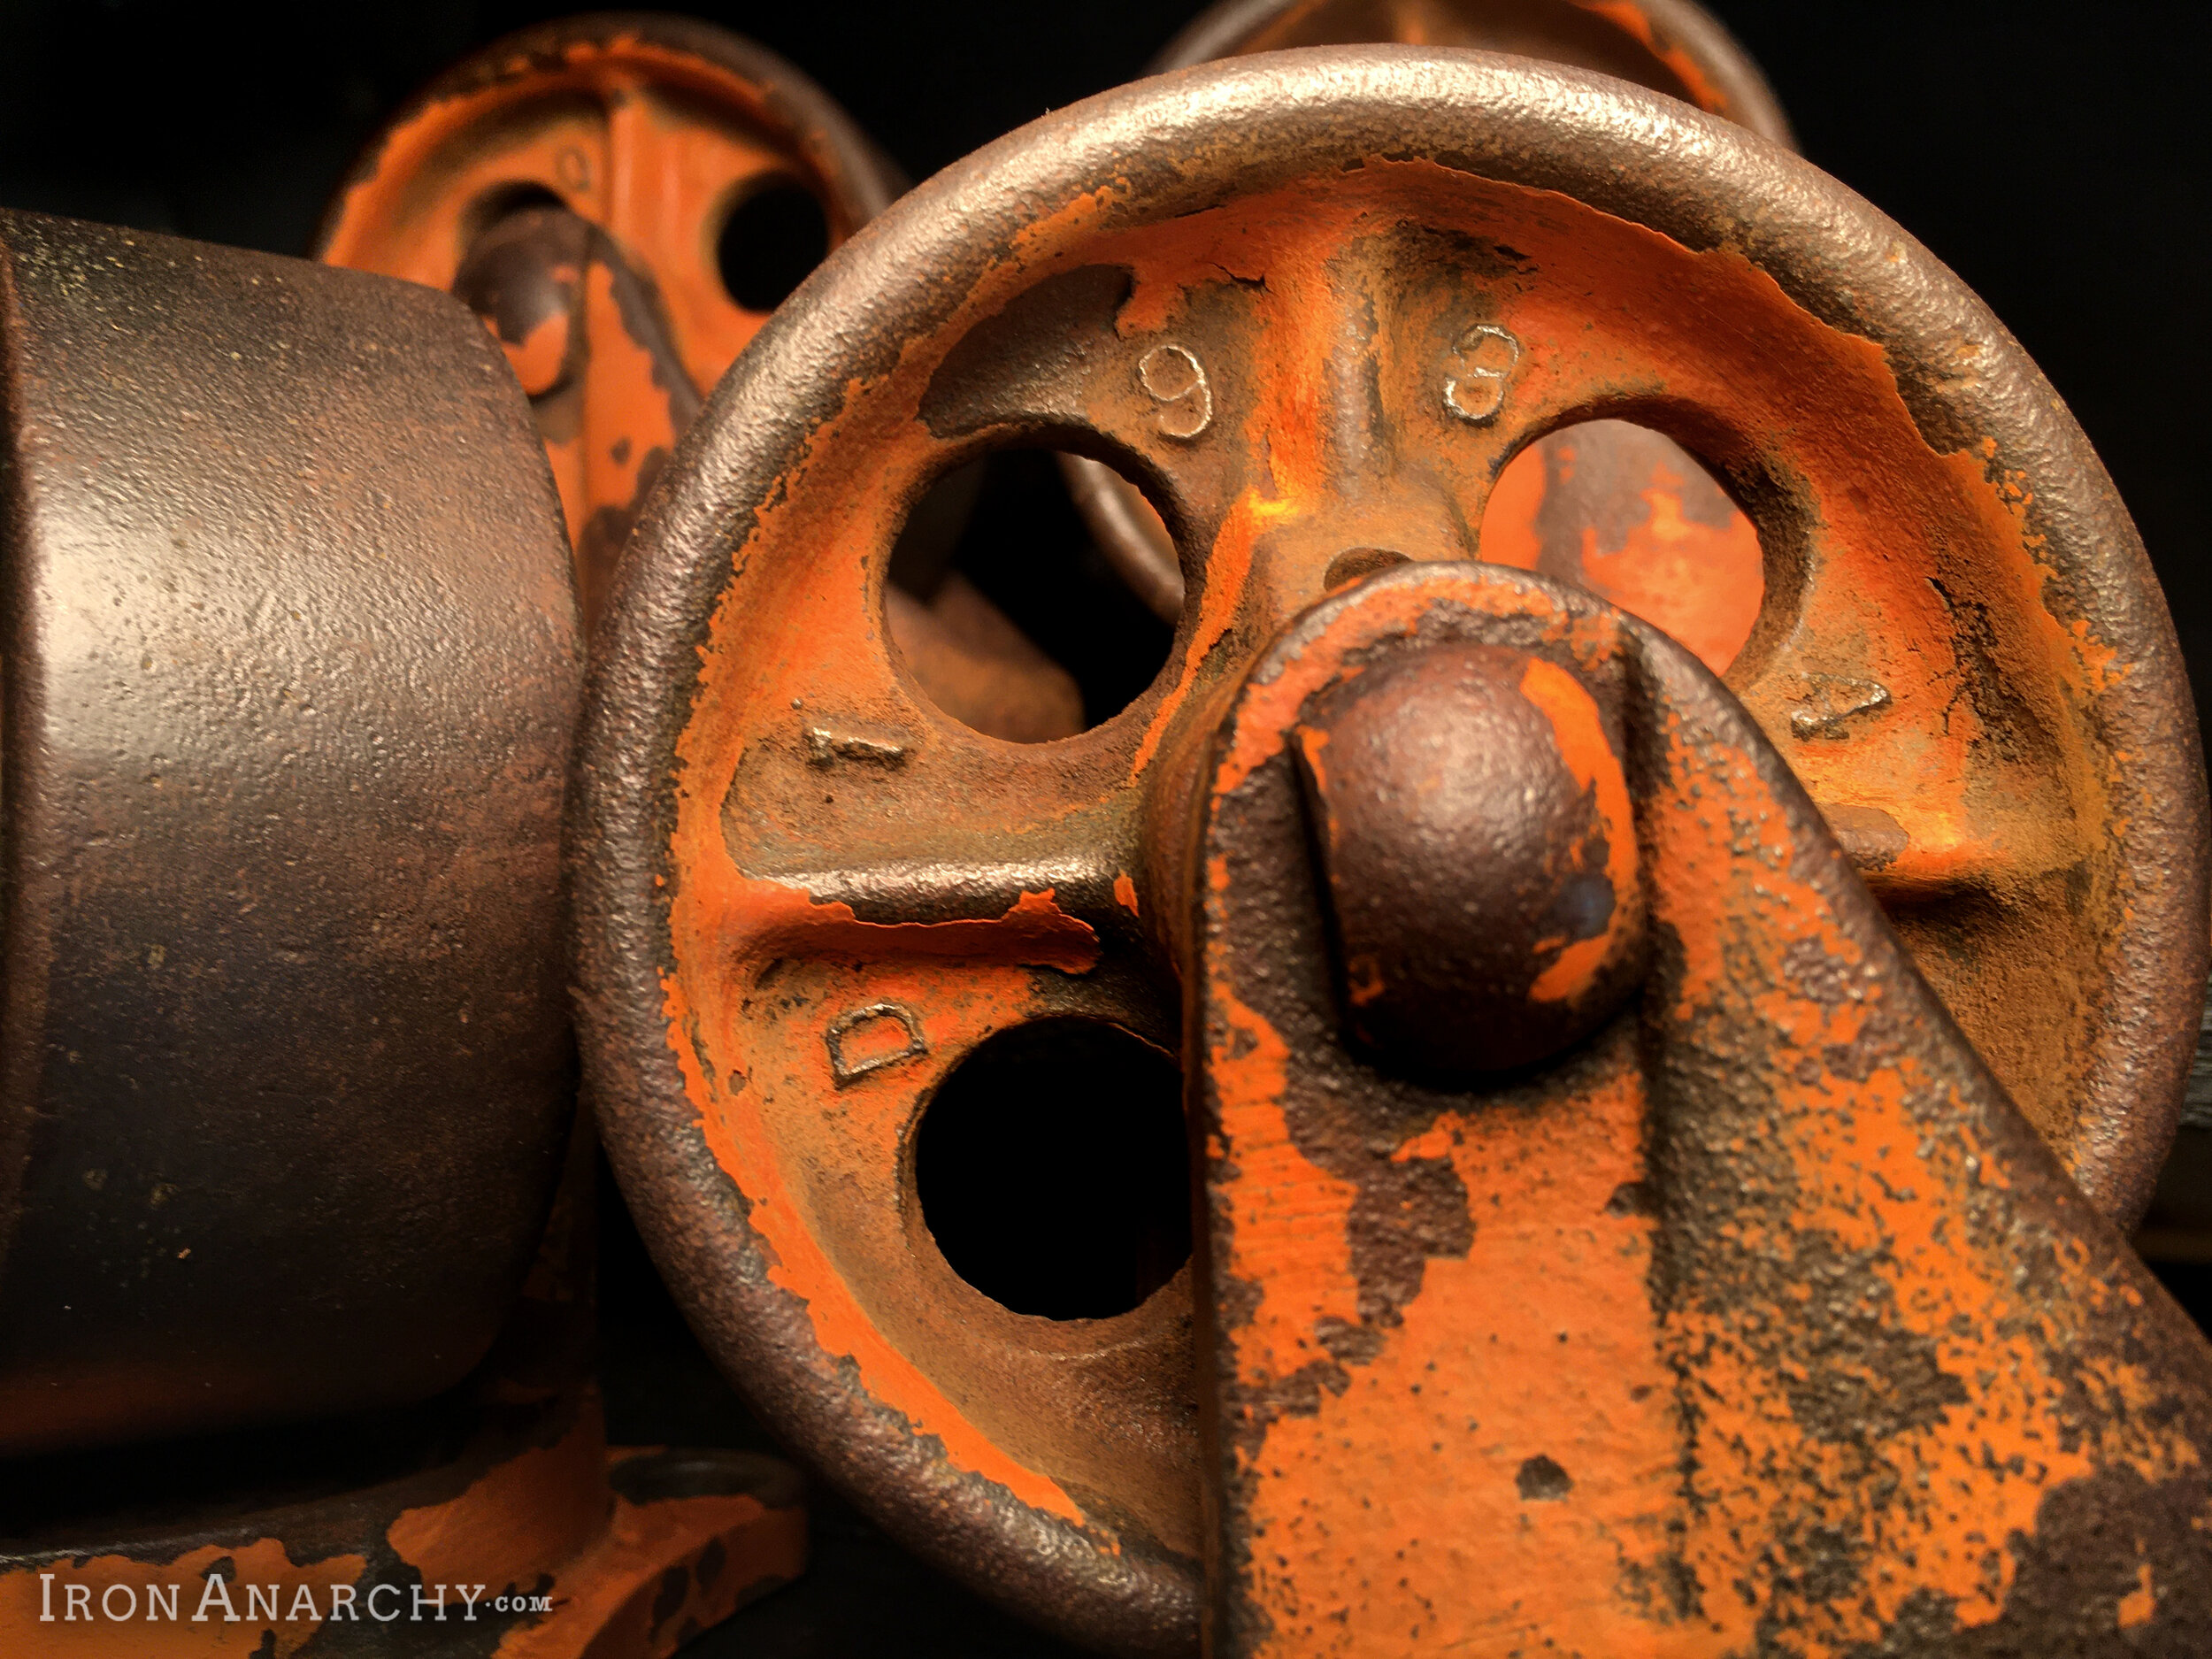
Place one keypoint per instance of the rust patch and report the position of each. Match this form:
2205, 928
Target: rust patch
771, 920
1852, 1362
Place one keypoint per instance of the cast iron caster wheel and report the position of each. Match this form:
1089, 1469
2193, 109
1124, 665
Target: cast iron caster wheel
1315, 303
623, 198
291, 667
1651, 516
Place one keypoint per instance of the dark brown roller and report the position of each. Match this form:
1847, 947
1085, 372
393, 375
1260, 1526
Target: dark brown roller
290, 663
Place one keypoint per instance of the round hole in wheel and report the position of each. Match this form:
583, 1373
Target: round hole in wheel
1052, 1170
804, 894
1005, 608
774, 234
608, 151
1634, 518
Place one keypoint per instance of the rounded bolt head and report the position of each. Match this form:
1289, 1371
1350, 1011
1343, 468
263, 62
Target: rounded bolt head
1478, 854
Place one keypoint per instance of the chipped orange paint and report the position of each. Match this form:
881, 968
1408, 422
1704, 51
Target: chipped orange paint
1289, 1216
784, 1127
2086, 662
1700, 65
612, 1602
2140, 1606
628, 420
768, 919
1591, 762
1228, 571
520, 1519
263, 1562
1660, 1443
1921, 777
1126, 893
650, 143
637, 135
1607, 312
1860, 1162
542, 1522
1433, 1479
957, 1002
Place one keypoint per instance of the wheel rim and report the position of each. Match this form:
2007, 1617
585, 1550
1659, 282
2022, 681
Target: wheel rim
1646, 237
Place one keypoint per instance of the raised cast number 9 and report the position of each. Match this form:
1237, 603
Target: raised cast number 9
1174, 378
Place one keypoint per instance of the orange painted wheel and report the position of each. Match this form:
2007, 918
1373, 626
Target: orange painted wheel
1315, 303
624, 198
1614, 509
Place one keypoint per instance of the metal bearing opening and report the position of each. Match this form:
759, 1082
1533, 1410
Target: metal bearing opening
1054, 1172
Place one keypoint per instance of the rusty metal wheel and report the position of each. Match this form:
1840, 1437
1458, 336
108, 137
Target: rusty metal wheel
624, 198
1315, 303
1670, 46
291, 668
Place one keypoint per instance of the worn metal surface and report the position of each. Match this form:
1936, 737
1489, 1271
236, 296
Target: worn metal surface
1760, 1321
290, 666
638, 1550
1670, 46
775, 829
571, 183
1665, 566
410, 1530
1479, 874
2177, 1225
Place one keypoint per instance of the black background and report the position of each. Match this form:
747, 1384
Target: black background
2053, 158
